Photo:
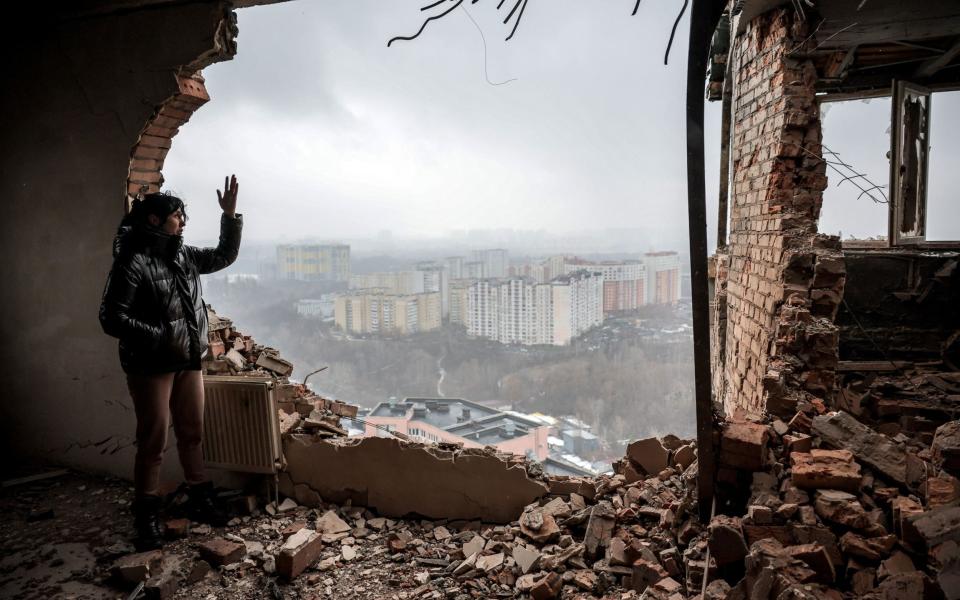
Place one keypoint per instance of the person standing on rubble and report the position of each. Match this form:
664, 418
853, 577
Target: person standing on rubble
152, 303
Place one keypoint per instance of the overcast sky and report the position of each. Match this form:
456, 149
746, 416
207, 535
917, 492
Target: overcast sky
335, 136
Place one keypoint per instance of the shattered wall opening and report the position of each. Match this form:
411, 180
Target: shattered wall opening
834, 364
89, 80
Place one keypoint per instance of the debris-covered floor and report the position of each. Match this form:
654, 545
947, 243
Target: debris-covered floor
830, 509
69, 537
816, 504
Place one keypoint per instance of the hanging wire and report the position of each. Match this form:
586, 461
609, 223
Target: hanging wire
851, 175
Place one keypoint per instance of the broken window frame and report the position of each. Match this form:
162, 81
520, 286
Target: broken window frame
909, 163
898, 205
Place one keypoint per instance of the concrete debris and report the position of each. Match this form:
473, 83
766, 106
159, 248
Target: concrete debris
222, 552
726, 541
813, 505
841, 430
649, 454
301, 410
819, 469
399, 478
298, 552
744, 445
946, 447
134, 568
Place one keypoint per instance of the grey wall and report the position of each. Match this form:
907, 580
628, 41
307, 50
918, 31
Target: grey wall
76, 95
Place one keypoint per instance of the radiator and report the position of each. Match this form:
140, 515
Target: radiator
241, 429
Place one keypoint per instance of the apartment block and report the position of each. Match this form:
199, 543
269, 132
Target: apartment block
495, 261
393, 282
458, 301
375, 312
624, 282
521, 311
663, 277
314, 262
577, 300
454, 266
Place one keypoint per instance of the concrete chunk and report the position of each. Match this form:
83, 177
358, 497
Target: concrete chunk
489, 562
222, 552
816, 557
646, 573
726, 541
474, 546
841, 430
650, 454
134, 568
599, 529
946, 447
539, 527
825, 469
841, 508
933, 527
526, 558
436, 483
744, 445
547, 588
330, 522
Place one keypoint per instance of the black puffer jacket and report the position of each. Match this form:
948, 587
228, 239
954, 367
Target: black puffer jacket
152, 299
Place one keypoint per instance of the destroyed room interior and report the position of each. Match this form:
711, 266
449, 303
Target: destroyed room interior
826, 462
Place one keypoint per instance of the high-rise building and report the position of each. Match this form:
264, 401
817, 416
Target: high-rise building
482, 305
539, 272
429, 311
474, 270
577, 300
313, 262
516, 310
436, 279
458, 301
495, 261
663, 277
454, 265
624, 282
393, 282
521, 311
555, 266
373, 312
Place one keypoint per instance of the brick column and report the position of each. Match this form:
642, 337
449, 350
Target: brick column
147, 156
782, 282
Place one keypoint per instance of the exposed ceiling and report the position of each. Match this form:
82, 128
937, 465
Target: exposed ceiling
860, 46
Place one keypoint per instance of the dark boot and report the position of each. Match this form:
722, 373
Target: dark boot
146, 521
202, 505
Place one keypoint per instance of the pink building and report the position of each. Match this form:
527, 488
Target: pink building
457, 420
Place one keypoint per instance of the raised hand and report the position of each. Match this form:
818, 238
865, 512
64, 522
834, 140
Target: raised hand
228, 199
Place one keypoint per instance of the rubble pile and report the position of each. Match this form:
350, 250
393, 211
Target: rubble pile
630, 535
232, 353
859, 503
826, 506
899, 397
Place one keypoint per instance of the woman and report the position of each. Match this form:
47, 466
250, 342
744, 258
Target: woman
152, 303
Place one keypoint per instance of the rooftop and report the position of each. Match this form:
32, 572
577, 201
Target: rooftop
467, 419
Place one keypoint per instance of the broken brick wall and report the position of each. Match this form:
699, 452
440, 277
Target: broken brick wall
900, 304
81, 90
782, 281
